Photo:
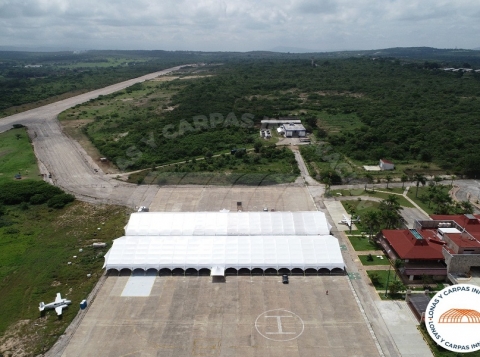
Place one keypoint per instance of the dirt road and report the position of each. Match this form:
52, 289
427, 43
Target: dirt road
67, 162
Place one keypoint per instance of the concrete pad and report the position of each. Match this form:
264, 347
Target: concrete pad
371, 168
336, 210
246, 316
411, 214
403, 328
213, 198
139, 286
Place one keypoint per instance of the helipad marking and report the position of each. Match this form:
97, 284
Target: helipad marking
287, 324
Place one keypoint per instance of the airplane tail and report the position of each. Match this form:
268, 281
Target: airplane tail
42, 306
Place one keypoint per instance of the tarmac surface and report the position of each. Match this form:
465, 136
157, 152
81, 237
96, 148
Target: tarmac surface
211, 198
245, 316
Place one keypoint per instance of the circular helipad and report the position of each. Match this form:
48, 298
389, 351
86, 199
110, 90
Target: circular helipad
279, 325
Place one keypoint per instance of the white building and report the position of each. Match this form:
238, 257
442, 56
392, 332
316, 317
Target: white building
386, 165
294, 130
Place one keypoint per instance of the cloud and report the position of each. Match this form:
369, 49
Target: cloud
239, 25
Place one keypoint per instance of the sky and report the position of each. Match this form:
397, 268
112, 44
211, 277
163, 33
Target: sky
246, 25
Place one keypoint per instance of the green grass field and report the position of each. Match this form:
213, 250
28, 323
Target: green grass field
370, 193
16, 156
334, 123
383, 277
362, 243
375, 261
35, 247
423, 190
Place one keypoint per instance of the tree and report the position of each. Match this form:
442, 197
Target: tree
397, 264
419, 179
371, 220
465, 207
390, 211
258, 146
453, 177
395, 287
369, 179
375, 278
389, 179
443, 202
404, 179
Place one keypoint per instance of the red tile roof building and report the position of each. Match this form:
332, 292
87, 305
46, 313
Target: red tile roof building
446, 245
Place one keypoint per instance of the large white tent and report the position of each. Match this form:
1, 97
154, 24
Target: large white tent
227, 224
157, 252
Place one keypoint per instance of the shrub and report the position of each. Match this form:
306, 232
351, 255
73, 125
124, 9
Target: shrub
59, 201
12, 193
38, 199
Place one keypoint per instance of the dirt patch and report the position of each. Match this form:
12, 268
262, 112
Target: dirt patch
346, 94
19, 341
165, 78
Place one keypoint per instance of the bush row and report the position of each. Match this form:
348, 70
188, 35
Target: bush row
33, 192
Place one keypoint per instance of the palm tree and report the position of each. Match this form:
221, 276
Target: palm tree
369, 179
390, 211
404, 179
453, 177
420, 179
466, 207
389, 179
371, 220
443, 202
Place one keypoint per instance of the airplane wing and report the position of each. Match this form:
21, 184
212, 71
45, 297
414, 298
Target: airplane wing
58, 298
348, 221
59, 309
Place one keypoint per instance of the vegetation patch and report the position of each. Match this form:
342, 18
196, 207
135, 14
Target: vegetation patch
269, 165
362, 243
41, 258
379, 278
16, 157
372, 259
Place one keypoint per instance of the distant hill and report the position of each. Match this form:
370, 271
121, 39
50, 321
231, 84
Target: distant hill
285, 49
34, 49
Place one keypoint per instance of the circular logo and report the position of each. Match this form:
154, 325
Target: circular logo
279, 325
452, 318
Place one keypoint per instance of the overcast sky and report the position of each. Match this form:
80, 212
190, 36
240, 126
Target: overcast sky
245, 25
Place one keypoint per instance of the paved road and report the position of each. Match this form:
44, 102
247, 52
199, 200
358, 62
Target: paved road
68, 163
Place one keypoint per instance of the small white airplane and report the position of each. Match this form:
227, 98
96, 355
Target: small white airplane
59, 304
348, 221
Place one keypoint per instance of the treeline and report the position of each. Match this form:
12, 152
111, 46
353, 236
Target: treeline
408, 112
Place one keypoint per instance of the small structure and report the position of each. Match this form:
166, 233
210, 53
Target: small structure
294, 130
386, 165
265, 133
275, 123
418, 304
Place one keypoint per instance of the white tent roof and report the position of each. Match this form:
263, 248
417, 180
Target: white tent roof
227, 223
250, 252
